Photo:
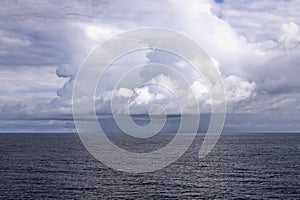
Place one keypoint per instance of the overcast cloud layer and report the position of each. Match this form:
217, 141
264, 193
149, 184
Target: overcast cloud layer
254, 43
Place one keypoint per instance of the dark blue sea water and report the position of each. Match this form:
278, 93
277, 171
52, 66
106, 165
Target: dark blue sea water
241, 166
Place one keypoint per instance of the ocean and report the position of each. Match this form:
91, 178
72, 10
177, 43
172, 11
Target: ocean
241, 166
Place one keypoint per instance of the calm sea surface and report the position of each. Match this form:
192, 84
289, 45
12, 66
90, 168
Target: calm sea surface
57, 166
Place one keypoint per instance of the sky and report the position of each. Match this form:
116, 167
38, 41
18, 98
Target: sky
254, 44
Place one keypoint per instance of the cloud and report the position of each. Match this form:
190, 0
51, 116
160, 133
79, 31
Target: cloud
173, 95
27, 79
258, 20
238, 89
254, 43
24, 89
290, 36
34, 44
